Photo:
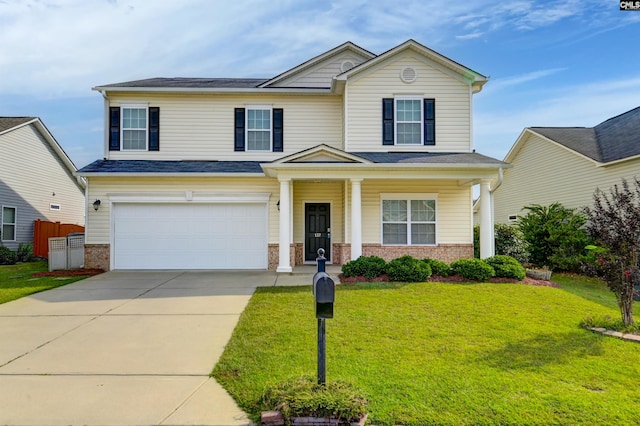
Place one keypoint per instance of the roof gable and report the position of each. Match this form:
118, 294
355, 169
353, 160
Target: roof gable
322, 154
348, 51
468, 75
9, 124
615, 139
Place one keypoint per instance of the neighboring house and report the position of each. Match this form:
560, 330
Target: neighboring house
567, 164
36, 181
356, 153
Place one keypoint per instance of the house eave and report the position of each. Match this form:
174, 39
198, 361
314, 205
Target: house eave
225, 90
178, 174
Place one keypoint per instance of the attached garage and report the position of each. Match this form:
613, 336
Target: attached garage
190, 235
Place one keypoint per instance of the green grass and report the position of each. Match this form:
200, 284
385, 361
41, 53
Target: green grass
436, 353
16, 280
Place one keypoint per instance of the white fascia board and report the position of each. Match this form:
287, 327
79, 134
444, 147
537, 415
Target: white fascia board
152, 174
203, 197
226, 90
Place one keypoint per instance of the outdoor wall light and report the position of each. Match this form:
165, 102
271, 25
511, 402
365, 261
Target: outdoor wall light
96, 205
278, 205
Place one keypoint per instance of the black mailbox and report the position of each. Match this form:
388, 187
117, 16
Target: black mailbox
324, 291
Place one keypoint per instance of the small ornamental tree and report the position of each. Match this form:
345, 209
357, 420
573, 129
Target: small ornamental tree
615, 226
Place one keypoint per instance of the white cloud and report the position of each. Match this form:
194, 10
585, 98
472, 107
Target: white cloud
501, 83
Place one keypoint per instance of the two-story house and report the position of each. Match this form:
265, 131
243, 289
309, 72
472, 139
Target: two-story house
356, 153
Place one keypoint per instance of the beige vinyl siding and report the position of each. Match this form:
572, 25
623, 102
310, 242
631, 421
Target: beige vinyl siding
31, 178
453, 208
98, 224
544, 172
202, 126
322, 74
364, 106
331, 192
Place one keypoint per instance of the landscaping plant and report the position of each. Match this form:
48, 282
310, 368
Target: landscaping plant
555, 236
304, 397
7, 256
506, 267
615, 226
473, 269
438, 267
510, 242
408, 269
364, 266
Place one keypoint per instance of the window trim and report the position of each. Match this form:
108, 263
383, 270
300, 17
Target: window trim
146, 127
15, 223
420, 121
408, 197
256, 107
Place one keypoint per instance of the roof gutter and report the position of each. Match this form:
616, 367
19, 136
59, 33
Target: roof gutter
499, 182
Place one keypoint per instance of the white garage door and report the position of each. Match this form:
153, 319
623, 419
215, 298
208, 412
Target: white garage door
190, 236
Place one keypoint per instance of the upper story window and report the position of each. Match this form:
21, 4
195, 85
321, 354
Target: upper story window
258, 128
8, 223
408, 121
134, 128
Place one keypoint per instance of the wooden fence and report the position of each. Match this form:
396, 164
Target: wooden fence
43, 230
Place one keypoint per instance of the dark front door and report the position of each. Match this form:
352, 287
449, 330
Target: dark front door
317, 230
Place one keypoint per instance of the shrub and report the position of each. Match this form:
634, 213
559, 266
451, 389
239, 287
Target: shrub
510, 242
438, 267
408, 269
7, 256
25, 252
366, 266
473, 269
555, 236
304, 397
506, 266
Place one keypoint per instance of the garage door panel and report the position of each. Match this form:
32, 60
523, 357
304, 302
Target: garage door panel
190, 236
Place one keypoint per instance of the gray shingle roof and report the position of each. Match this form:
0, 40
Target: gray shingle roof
7, 123
429, 158
161, 166
196, 83
611, 140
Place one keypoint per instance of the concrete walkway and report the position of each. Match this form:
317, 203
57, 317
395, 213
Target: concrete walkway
126, 348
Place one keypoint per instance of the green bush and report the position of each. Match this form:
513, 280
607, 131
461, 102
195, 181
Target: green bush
473, 269
408, 269
509, 241
476, 241
366, 266
303, 397
25, 252
555, 236
7, 256
438, 267
506, 266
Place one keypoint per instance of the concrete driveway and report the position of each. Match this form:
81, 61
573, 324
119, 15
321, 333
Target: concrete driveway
124, 348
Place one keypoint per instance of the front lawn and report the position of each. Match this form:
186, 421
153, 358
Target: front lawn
442, 353
16, 281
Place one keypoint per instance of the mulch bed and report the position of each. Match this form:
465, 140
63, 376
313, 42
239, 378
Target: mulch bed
69, 273
454, 279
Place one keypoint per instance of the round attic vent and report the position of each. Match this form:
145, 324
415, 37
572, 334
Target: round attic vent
408, 75
347, 65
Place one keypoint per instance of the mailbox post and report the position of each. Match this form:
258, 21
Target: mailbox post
324, 292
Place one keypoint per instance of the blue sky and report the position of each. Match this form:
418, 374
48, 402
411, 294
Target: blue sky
551, 63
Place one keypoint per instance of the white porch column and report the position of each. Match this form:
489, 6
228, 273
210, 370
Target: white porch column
356, 219
486, 221
284, 263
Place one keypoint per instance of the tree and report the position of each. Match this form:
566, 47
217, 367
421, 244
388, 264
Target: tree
555, 236
615, 226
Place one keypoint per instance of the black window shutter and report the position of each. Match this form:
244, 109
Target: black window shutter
429, 121
154, 129
239, 130
387, 121
114, 128
278, 145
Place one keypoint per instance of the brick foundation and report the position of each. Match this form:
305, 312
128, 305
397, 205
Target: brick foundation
96, 256
445, 252
295, 255
341, 253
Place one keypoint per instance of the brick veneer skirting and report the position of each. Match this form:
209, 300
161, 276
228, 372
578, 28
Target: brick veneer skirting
96, 256
444, 252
